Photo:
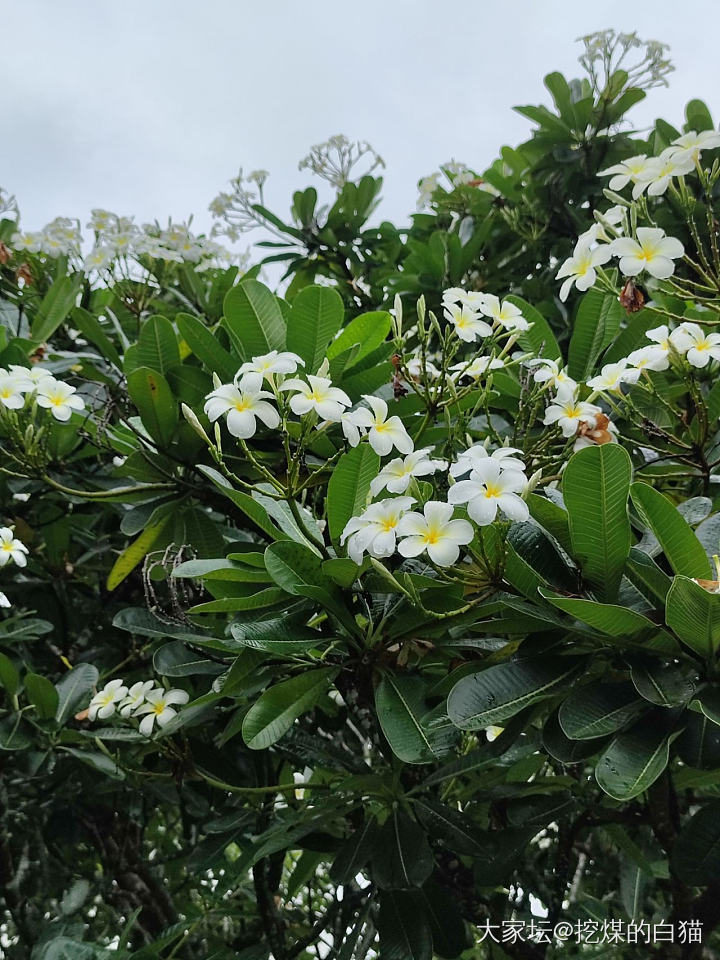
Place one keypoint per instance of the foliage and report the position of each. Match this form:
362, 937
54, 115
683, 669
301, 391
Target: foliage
359, 619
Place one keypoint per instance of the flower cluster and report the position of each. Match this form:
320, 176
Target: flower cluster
19, 384
142, 699
476, 315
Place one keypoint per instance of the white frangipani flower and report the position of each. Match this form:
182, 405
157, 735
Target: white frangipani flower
579, 269
384, 432
698, 346
242, 402
277, 361
105, 701
4, 602
159, 706
11, 548
651, 251
434, 531
473, 299
613, 376
477, 367
597, 232
31, 376
318, 394
397, 474
352, 428
693, 143
466, 322
549, 371
13, 387
492, 733
671, 163
415, 369
632, 171
58, 397
135, 697
477, 455
375, 531
652, 357
505, 314
567, 412
489, 489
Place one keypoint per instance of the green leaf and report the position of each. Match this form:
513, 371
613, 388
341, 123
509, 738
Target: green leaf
497, 693
595, 487
403, 927
599, 709
272, 715
356, 852
635, 759
174, 659
74, 690
539, 339
403, 859
55, 306
135, 553
698, 116
206, 347
279, 634
253, 319
316, 316
349, 486
694, 614
683, 550
157, 346
400, 705
596, 325
152, 396
247, 504
614, 620
42, 695
456, 829
9, 676
665, 684
91, 328
439, 907
696, 852
367, 331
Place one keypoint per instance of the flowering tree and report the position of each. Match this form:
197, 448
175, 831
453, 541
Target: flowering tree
338, 630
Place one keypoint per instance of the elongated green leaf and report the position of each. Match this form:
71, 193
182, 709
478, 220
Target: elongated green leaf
665, 684
248, 505
497, 693
367, 331
281, 634
456, 829
635, 759
316, 316
158, 409
206, 347
597, 323
694, 614
682, 548
403, 859
400, 704
9, 677
55, 306
597, 710
135, 553
74, 690
610, 618
696, 852
91, 328
403, 927
272, 715
595, 487
157, 346
356, 852
349, 486
539, 339
253, 319
174, 659
42, 695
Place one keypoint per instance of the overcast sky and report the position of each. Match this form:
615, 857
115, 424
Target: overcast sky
149, 106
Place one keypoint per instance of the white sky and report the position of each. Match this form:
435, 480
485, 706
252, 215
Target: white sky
148, 107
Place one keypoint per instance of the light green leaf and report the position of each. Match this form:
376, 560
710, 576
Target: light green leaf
316, 316
683, 550
55, 306
596, 325
135, 553
253, 319
349, 486
42, 695
157, 346
206, 347
275, 711
694, 614
74, 690
595, 488
158, 409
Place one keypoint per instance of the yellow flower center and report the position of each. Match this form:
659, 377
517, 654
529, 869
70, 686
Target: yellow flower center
572, 411
7, 546
388, 524
159, 708
492, 490
241, 406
